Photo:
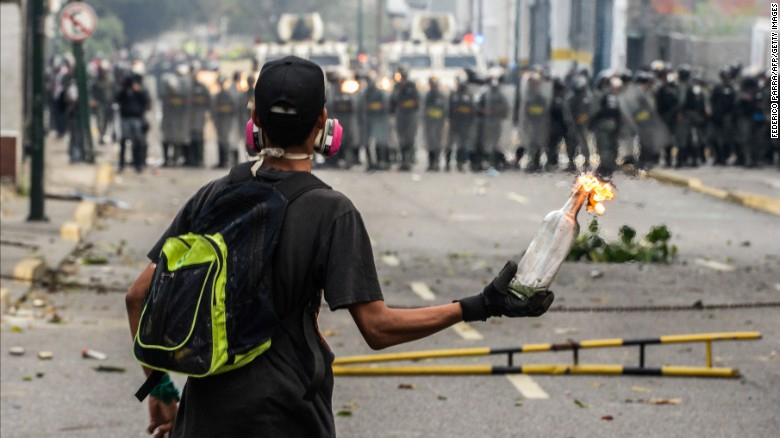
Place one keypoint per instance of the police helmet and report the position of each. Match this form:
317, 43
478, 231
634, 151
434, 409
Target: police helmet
182, 69
684, 72
626, 75
579, 83
724, 72
403, 71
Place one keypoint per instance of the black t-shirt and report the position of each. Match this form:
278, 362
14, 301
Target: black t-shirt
323, 246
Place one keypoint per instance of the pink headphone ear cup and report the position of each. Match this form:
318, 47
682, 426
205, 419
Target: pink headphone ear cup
252, 138
330, 138
335, 143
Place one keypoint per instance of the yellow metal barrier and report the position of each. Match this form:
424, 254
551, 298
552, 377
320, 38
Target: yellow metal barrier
345, 366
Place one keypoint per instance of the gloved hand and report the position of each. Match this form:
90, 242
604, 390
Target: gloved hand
496, 300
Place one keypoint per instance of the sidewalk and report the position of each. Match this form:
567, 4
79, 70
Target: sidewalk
754, 188
31, 249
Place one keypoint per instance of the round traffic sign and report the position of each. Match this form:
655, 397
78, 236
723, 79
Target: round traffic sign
77, 21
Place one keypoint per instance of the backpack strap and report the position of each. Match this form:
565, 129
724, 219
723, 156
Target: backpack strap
291, 187
149, 384
297, 184
240, 172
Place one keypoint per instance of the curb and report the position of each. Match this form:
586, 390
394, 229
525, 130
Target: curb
83, 219
763, 203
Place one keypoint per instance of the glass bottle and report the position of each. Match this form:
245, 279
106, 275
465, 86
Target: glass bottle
549, 248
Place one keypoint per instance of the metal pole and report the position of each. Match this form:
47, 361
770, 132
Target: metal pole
81, 82
36, 124
479, 16
516, 77
518, 12
361, 47
379, 11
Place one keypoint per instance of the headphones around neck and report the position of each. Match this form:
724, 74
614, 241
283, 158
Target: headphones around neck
327, 143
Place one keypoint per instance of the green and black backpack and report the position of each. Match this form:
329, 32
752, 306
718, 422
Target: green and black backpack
209, 308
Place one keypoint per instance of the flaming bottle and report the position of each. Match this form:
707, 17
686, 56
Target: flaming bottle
551, 245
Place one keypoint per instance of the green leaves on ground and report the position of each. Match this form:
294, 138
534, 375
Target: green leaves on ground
654, 247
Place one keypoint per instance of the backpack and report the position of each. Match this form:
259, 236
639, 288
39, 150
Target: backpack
209, 308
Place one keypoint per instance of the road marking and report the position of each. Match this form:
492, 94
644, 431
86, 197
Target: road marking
520, 199
422, 290
527, 386
467, 332
390, 260
712, 264
777, 286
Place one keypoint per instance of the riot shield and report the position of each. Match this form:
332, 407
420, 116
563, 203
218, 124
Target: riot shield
534, 116
639, 113
507, 144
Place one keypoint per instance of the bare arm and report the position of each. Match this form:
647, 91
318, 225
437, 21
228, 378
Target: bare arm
161, 415
134, 300
383, 327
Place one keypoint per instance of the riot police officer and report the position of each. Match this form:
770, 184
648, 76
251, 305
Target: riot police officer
749, 117
175, 115
343, 106
101, 94
493, 111
722, 123
376, 107
605, 121
666, 100
200, 105
698, 109
683, 132
560, 126
578, 106
461, 116
651, 131
535, 117
224, 117
405, 104
243, 114
434, 109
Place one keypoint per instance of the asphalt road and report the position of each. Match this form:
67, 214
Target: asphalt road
452, 232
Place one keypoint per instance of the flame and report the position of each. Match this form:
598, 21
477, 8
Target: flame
598, 191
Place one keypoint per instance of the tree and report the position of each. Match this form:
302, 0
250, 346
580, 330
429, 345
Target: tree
109, 36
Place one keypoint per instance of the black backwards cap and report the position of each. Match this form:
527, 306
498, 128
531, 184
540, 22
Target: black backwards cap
290, 89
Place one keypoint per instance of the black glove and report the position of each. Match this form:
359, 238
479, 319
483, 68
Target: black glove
496, 300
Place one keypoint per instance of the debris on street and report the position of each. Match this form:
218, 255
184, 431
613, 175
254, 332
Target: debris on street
93, 354
109, 369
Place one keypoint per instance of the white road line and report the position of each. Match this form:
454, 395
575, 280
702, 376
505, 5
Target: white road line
520, 199
467, 332
712, 264
527, 386
422, 290
390, 260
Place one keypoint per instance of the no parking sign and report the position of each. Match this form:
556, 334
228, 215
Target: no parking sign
77, 21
